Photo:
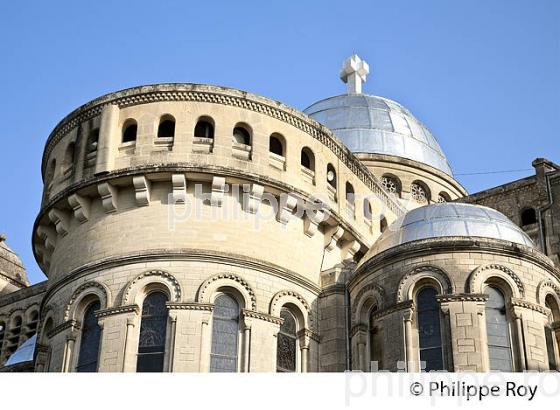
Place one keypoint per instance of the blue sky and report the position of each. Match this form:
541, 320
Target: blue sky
482, 75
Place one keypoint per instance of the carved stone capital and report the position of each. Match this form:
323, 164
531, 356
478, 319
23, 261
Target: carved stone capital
117, 310
189, 306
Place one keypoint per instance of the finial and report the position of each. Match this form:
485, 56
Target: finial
2, 237
354, 72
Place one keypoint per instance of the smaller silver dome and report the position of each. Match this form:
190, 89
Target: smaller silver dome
24, 353
447, 220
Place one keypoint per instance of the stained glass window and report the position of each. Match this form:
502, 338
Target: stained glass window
497, 329
390, 184
374, 351
225, 334
550, 303
89, 342
153, 329
429, 329
286, 341
419, 193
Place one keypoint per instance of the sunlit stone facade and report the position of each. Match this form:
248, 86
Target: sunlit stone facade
194, 228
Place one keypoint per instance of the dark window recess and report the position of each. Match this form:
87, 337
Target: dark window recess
93, 140
204, 129
89, 342
275, 146
528, 217
166, 129
497, 329
225, 332
130, 133
286, 343
429, 330
153, 329
241, 136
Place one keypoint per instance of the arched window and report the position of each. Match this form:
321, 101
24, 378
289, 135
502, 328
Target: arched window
368, 213
276, 144
15, 335
419, 192
153, 330
307, 159
166, 128
93, 141
331, 176
241, 135
374, 348
497, 330
382, 224
429, 329
528, 217
204, 128
443, 197
51, 170
391, 184
225, 334
69, 156
31, 325
286, 350
89, 342
350, 195
552, 344
130, 131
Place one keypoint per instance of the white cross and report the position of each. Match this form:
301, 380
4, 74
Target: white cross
354, 72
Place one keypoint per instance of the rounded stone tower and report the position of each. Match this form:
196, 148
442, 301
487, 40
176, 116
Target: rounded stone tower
455, 287
12, 273
192, 228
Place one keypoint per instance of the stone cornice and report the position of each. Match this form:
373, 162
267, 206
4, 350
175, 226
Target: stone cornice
117, 310
189, 306
223, 96
181, 254
333, 289
462, 297
528, 305
308, 333
69, 324
357, 328
392, 309
60, 199
434, 246
262, 316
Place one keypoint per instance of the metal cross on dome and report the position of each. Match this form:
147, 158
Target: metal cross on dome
354, 72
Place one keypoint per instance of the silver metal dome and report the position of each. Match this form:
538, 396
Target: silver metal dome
449, 219
370, 124
24, 353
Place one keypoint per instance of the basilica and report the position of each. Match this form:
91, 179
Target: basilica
196, 228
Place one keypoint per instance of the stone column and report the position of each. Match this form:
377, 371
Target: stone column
519, 339
246, 346
171, 347
411, 359
68, 353
109, 139
205, 342
555, 326
127, 341
304, 343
